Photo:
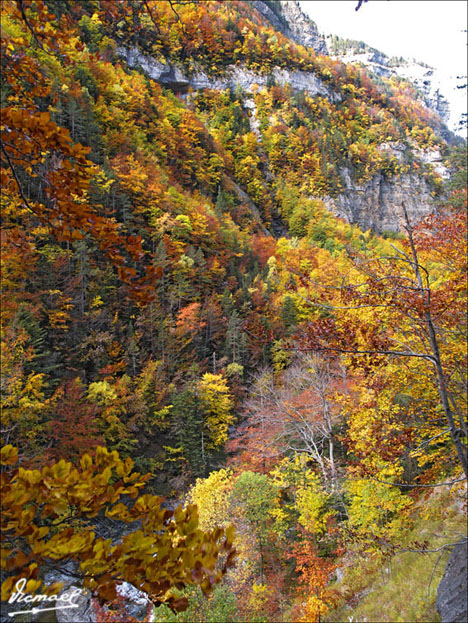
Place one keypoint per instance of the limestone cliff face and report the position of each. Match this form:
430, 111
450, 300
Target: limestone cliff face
235, 76
374, 205
452, 593
287, 17
377, 204
426, 79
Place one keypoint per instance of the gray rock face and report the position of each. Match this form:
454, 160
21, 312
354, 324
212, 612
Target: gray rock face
287, 17
452, 595
435, 159
83, 613
377, 204
240, 76
235, 76
164, 73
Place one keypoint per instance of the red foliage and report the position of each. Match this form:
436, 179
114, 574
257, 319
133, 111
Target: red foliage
73, 427
264, 248
116, 611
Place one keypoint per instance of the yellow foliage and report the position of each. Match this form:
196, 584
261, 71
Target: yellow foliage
375, 508
314, 608
258, 598
216, 403
211, 495
43, 512
310, 501
102, 393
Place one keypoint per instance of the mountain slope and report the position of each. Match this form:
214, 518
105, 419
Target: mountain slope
227, 132
179, 288
288, 18
387, 146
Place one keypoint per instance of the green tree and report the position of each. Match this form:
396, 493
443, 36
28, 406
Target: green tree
289, 312
253, 498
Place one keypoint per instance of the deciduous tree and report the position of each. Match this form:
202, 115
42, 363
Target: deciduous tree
48, 519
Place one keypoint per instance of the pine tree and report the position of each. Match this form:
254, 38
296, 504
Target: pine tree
43, 360
289, 313
188, 430
232, 348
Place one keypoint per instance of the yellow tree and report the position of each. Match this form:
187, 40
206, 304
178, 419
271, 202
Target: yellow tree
49, 516
211, 496
216, 404
400, 323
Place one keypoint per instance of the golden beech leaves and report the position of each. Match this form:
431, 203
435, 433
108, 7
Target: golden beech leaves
217, 404
211, 495
8, 455
47, 520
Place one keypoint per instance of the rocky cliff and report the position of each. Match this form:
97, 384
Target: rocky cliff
426, 79
287, 17
452, 600
375, 204
235, 76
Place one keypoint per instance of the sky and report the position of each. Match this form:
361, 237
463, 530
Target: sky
431, 31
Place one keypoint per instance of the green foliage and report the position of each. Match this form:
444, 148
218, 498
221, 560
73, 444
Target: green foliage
289, 312
188, 430
220, 607
42, 360
255, 494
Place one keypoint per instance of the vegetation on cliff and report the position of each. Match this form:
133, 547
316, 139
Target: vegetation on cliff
174, 289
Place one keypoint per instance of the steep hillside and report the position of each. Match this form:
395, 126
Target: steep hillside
378, 144
425, 78
236, 262
288, 18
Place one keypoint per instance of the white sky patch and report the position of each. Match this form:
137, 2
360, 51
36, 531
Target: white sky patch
431, 31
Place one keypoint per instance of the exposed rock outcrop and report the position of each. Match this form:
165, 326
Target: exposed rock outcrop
452, 592
435, 159
377, 204
287, 17
235, 76
84, 612
163, 72
426, 79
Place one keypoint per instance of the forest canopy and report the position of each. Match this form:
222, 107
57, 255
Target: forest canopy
181, 300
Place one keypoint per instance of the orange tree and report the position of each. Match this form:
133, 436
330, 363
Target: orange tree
47, 178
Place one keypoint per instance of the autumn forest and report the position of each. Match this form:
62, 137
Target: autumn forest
217, 387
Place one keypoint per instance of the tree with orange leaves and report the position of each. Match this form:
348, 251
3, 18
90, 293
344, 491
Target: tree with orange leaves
46, 177
315, 572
